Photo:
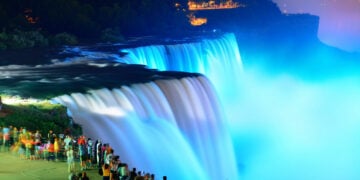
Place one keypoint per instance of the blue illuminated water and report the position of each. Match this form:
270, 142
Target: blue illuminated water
252, 124
168, 127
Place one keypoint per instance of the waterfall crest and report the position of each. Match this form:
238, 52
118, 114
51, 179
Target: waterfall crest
218, 59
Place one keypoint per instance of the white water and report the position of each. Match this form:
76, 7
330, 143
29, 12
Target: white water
167, 127
218, 59
282, 126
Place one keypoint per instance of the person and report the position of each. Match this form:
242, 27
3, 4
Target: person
109, 156
83, 156
106, 149
139, 176
6, 138
11, 140
45, 150
79, 175
37, 138
73, 176
106, 171
133, 174
51, 136
123, 172
67, 142
147, 176
50, 151
81, 140
56, 148
29, 147
114, 165
98, 153
89, 152
84, 176
70, 159
1, 104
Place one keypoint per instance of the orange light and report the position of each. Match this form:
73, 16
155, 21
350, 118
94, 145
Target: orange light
196, 21
229, 4
29, 18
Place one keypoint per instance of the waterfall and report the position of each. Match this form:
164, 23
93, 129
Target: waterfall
167, 127
172, 127
218, 59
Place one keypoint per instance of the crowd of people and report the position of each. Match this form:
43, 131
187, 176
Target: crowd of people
88, 153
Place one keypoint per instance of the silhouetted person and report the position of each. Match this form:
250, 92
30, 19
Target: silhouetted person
164, 178
84, 176
133, 174
0, 103
139, 176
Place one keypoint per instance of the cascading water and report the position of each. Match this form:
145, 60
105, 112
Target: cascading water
281, 126
168, 127
218, 59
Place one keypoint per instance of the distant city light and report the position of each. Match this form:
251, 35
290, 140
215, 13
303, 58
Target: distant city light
229, 4
210, 5
29, 17
196, 21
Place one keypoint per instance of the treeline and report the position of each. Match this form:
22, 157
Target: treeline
68, 21
42, 116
